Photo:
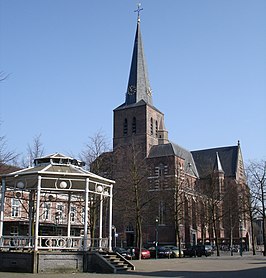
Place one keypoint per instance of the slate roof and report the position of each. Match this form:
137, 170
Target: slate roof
138, 83
171, 149
205, 160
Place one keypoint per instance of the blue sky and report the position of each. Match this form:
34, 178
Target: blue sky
69, 63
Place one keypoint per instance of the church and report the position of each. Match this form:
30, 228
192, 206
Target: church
165, 193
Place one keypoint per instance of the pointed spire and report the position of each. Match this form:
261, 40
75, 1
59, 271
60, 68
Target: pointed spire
218, 166
138, 83
162, 133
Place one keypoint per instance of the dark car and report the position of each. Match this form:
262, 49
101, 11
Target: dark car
123, 252
176, 253
197, 250
162, 252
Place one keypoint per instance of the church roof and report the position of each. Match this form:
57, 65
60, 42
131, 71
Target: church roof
207, 159
138, 83
171, 149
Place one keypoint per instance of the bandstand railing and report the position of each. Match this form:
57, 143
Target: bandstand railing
16, 242
53, 243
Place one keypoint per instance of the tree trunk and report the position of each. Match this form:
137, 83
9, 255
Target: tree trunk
216, 235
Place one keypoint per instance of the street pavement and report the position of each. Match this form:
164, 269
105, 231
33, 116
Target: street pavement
204, 267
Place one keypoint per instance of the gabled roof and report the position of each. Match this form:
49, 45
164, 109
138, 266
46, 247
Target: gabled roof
205, 160
171, 149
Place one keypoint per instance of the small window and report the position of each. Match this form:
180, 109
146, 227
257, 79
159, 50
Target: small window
125, 127
134, 125
151, 126
15, 208
156, 128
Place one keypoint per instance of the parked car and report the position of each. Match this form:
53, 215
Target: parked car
162, 252
197, 250
134, 251
175, 251
123, 252
209, 248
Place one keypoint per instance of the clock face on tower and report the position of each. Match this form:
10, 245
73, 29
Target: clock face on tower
132, 90
149, 91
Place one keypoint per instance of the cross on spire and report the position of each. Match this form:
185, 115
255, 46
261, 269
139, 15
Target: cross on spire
138, 10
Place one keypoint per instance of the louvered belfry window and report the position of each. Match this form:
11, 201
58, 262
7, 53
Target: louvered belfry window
151, 126
134, 125
125, 127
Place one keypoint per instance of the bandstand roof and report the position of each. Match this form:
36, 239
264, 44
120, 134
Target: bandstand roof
52, 170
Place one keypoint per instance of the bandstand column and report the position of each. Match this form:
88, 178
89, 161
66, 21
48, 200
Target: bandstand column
101, 221
2, 208
69, 215
85, 247
110, 216
31, 217
38, 197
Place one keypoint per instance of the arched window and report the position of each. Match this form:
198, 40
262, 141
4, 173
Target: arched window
134, 125
151, 126
125, 127
156, 128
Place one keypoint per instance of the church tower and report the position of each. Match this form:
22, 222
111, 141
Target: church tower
137, 120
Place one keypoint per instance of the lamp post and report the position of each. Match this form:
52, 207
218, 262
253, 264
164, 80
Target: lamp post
240, 229
156, 237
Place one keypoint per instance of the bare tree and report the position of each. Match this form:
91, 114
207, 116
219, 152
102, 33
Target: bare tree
36, 149
96, 146
6, 156
256, 173
93, 156
212, 197
182, 193
132, 188
250, 206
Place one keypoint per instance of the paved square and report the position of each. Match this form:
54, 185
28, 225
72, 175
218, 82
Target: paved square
215, 267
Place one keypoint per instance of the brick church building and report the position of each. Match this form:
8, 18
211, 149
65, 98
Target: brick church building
172, 193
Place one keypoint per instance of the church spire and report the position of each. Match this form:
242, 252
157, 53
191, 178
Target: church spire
138, 83
218, 165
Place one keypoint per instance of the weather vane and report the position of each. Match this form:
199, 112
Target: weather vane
139, 9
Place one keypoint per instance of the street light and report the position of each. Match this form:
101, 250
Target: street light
240, 228
156, 237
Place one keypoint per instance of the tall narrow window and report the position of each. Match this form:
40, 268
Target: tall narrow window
15, 207
134, 125
83, 216
46, 211
151, 126
59, 213
125, 127
156, 128
162, 213
73, 214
